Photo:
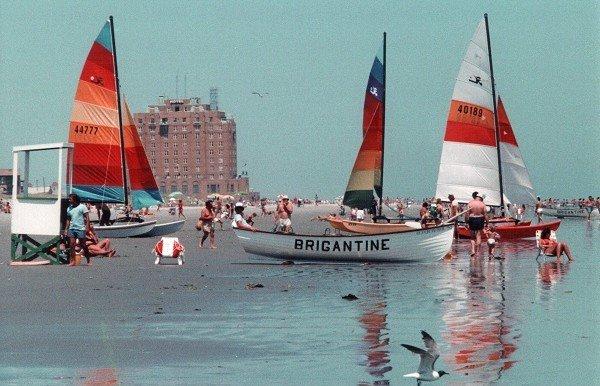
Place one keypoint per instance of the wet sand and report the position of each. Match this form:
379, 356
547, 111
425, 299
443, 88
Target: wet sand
127, 319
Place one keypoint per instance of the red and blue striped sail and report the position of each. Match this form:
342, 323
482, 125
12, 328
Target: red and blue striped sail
366, 174
94, 126
143, 188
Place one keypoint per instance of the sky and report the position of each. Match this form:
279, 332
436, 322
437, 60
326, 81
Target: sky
313, 58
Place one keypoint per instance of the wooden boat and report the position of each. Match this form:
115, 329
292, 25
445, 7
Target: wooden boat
109, 161
417, 245
121, 230
370, 228
511, 232
164, 229
480, 151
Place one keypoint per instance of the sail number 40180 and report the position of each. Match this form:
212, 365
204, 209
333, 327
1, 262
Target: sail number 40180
85, 129
476, 111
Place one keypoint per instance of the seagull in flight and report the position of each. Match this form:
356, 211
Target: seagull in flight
259, 94
426, 373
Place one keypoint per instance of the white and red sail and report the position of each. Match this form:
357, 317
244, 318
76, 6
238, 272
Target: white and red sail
515, 177
469, 160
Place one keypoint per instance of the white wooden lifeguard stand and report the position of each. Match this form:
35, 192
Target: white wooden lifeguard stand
39, 215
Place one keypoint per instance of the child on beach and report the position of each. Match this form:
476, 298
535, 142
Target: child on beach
492, 240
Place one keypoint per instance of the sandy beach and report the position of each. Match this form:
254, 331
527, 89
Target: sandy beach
126, 319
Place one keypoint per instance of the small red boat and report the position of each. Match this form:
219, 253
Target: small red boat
522, 230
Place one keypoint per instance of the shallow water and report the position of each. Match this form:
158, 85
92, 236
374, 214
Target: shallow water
512, 321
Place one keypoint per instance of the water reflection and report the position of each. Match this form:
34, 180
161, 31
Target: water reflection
550, 273
479, 321
374, 349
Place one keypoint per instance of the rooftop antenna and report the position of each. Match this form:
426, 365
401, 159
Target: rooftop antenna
214, 98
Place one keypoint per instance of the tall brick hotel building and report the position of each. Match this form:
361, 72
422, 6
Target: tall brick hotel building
191, 148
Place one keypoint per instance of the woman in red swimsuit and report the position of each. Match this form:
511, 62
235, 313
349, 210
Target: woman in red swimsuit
554, 248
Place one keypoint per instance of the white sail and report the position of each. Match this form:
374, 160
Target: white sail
469, 160
515, 177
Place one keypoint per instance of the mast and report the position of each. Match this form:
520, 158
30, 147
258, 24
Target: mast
121, 134
496, 126
383, 124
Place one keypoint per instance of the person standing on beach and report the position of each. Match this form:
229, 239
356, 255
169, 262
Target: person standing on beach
476, 217
78, 224
207, 217
284, 214
180, 209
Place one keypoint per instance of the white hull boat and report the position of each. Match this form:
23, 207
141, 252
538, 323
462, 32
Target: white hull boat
573, 212
422, 245
125, 229
164, 229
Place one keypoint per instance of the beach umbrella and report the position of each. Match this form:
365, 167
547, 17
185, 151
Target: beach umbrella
176, 194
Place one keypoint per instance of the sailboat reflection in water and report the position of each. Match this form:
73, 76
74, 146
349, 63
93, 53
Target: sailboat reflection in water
374, 348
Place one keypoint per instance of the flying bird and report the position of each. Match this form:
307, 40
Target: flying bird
259, 94
426, 372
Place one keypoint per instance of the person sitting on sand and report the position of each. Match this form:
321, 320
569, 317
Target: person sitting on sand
238, 218
97, 247
492, 240
554, 248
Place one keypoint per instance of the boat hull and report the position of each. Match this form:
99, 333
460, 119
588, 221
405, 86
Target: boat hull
370, 228
570, 212
512, 232
422, 245
164, 229
125, 230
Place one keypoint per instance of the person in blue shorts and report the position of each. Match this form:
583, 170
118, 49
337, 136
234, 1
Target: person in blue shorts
78, 224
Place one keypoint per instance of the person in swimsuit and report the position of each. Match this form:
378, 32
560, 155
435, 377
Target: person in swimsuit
207, 216
554, 248
476, 218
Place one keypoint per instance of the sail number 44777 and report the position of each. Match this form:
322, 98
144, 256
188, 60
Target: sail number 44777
85, 129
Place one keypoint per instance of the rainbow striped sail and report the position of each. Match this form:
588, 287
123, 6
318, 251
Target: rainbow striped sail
144, 190
94, 127
367, 173
94, 130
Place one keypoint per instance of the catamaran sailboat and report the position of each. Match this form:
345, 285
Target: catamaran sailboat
480, 150
109, 161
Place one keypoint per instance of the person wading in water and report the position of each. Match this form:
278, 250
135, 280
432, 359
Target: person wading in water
476, 217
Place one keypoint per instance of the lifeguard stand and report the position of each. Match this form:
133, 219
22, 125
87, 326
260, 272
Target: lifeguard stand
39, 214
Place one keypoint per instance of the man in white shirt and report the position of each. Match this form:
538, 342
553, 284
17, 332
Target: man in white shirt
238, 218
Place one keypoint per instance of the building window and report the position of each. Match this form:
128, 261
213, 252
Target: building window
210, 136
220, 176
166, 161
152, 138
211, 176
198, 161
220, 143
197, 152
211, 152
220, 152
166, 153
197, 144
185, 152
184, 136
173, 188
197, 168
153, 161
183, 120
185, 162
212, 144
166, 145
175, 152
197, 135
220, 135
176, 161
152, 153
198, 176
212, 188
184, 189
220, 160
163, 189
196, 188
152, 128
152, 144
152, 120
212, 161
174, 144
175, 136
231, 188
176, 109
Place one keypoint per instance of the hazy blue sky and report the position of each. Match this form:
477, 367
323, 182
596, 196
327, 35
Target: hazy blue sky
313, 58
